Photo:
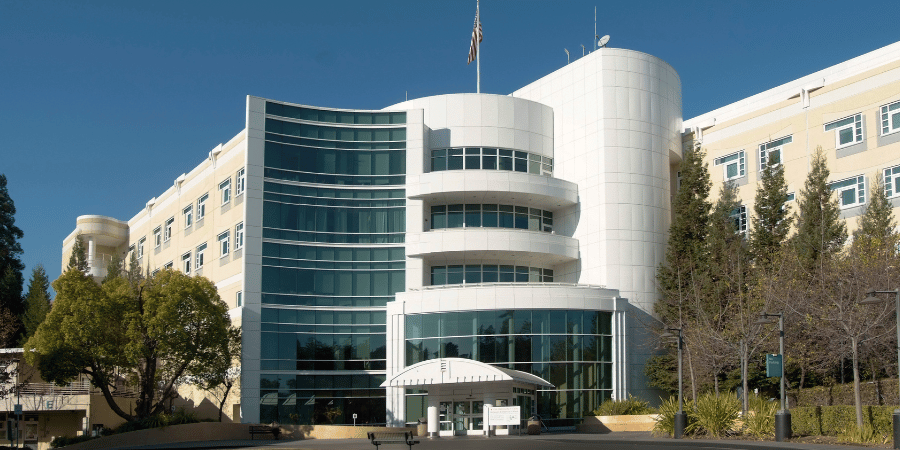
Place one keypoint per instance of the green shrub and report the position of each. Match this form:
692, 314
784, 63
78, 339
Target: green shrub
864, 435
833, 420
665, 423
714, 414
760, 422
628, 407
182, 416
62, 441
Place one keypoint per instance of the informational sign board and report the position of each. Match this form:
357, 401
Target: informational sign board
773, 365
504, 415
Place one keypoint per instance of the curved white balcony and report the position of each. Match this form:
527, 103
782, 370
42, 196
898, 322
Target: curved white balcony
492, 186
487, 296
490, 244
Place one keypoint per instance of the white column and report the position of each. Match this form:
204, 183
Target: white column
94, 267
434, 421
488, 403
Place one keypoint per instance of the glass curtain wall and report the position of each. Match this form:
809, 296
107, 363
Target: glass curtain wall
333, 256
572, 349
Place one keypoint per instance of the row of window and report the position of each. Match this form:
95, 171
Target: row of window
490, 159
348, 117
491, 216
508, 321
197, 258
847, 131
335, 133
163, 233
489, 273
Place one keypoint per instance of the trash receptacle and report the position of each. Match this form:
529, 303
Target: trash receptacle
533, 426
422, 427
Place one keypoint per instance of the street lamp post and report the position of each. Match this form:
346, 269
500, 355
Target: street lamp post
872, 299
782, 417
680, 420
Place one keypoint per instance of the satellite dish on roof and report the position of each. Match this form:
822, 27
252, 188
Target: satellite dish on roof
602, 42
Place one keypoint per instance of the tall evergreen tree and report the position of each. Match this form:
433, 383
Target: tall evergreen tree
877, 227
37, 301
78, 258
820, 230
113, 269
685, 252
11, 266
772, 221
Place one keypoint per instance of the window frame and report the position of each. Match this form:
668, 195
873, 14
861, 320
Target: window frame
140, 247
187, 215
239, 236
725, 162
885, 124
186, 263
855, 126
223, 240
739, 215
767, 148
239, 299
169, 265
891, 177
241, 184
859, 185
200, 256
157, 236
167, 233
225, 191
201, 206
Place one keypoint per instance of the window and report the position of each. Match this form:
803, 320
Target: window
225, 189
140, 247
739, 215
239, 236
892, 181
890, 118
770, 152
733, 166
474, 158
223, 244
850, 192
847, 131
186, 262
201, 206
198, 260
790, 197
157, 237
153, 274
241, 182
188, 214
239, 298
168, 231
169, 265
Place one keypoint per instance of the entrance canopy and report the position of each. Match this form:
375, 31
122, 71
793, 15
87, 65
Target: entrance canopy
458, 371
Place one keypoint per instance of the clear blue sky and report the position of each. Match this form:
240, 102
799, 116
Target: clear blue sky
105, 103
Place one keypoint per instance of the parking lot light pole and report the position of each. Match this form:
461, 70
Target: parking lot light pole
680, 420
870, 300
782, 417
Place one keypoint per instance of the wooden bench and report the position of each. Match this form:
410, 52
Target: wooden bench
264, 429
389, 437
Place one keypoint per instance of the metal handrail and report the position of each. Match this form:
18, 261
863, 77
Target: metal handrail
507, 283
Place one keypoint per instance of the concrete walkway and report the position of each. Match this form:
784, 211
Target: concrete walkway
552, 441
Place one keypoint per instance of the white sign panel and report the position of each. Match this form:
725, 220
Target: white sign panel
504, 415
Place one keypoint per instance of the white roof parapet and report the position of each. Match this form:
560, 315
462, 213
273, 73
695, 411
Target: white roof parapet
459, 370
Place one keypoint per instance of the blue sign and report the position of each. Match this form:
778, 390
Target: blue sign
774, 367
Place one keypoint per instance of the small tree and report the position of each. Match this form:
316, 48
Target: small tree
820, 230
772, 221
220, 380
78, 258
37, 300
11, 266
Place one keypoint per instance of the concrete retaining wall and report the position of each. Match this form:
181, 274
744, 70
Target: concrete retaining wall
608, 424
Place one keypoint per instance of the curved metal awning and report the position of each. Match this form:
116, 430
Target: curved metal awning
457, 371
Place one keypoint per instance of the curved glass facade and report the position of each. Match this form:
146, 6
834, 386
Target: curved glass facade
330, 261
488, 273
491, 216
483, 158
572, 349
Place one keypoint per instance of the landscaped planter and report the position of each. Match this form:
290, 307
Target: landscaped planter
608, 424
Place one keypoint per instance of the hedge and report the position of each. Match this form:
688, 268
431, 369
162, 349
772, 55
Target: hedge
834, 420
880, 392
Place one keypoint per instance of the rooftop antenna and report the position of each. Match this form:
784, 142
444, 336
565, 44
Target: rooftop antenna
567, 55
603, 41
595, 27
582, 49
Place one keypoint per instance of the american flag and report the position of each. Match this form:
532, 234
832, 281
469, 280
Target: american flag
476, 38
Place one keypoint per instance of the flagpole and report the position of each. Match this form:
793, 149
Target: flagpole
478, 48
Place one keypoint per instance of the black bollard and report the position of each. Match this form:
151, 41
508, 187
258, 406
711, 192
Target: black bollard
680, 423
783, 426
897, 428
